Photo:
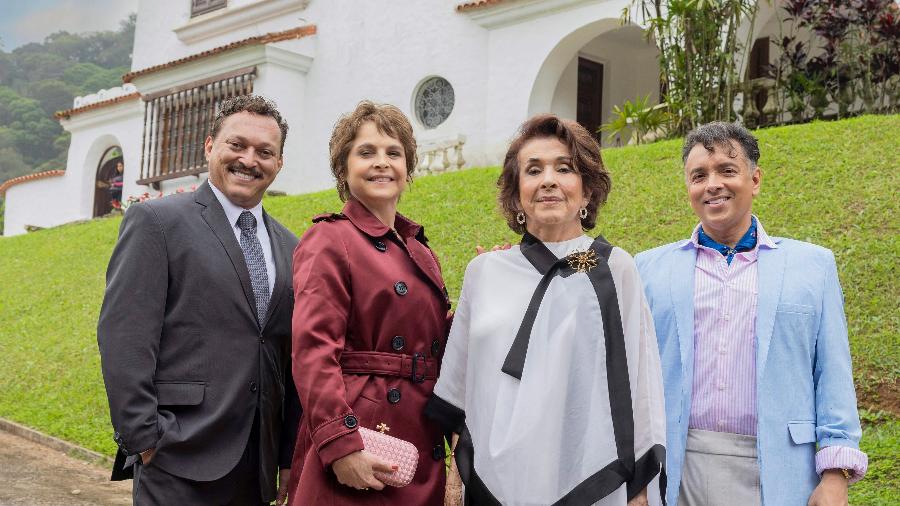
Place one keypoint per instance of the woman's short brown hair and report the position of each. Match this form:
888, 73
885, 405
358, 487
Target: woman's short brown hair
585, 153
388, 119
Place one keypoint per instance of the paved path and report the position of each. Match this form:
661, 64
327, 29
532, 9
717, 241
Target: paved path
34, 475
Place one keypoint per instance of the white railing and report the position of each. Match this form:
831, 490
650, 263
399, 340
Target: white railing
100, 96
442, 155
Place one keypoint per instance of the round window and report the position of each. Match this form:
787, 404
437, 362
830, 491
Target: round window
434, 101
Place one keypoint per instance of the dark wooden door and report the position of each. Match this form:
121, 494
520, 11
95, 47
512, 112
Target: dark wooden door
590, 95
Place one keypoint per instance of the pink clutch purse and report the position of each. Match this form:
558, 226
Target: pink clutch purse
398, 452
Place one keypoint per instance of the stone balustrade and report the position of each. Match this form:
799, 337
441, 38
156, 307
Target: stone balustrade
100, 96
442, 155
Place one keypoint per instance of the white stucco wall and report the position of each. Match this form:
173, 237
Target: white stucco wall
41, 203
382, 50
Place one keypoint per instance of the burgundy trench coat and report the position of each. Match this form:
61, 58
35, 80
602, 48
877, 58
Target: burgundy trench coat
358, 289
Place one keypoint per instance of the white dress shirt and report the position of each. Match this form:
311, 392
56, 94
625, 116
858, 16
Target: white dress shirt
232, 213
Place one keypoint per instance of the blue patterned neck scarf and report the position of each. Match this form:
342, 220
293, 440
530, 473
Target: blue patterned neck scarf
747, 242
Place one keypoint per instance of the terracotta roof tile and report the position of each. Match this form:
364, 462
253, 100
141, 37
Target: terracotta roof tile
96, 105
28, 177
477, 4
268, 38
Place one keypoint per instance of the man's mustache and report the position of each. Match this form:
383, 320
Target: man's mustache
238, 166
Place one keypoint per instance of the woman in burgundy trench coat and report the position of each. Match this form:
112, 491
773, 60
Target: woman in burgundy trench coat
370, 324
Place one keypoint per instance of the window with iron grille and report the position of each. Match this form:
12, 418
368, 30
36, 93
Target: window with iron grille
199, 7
177, 122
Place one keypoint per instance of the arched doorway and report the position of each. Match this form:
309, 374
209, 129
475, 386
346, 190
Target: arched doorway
108, 184
594, 68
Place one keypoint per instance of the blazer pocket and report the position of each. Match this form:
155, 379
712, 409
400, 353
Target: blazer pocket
174, 393
802, 432
796, 309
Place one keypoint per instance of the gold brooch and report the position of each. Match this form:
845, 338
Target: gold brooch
382, 427
582, 261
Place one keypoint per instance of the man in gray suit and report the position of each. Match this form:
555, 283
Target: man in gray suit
195, 328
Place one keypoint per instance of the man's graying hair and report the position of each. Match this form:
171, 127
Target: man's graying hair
719, 133
250, 103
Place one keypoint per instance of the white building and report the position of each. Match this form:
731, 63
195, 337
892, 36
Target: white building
471, 72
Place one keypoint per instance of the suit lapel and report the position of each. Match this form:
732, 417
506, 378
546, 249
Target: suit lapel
282, 266
214, 216
770, 276
682, 286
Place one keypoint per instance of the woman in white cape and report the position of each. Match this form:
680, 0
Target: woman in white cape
551, 382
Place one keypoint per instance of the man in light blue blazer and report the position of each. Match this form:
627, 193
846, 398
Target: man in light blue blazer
760, 403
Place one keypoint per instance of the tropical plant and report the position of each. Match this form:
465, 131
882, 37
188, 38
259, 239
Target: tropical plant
636, 118
698, 41
856, 66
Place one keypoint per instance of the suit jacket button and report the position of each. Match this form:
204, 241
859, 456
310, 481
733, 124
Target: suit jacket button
401, 288
350, 422
438, 452
393, 396
380, 246
398, 342
435, 347
253, 386
124, 451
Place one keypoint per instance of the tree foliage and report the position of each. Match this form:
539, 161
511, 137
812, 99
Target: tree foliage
38, 79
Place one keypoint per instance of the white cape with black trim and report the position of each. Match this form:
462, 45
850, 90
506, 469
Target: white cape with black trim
549, 437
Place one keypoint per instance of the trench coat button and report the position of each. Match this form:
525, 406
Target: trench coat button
253, 386
380, 246
393, 396
435, 347
398, 342
350, 422
401, 288
438, 452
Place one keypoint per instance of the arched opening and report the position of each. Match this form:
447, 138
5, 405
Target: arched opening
593, 69
108, 183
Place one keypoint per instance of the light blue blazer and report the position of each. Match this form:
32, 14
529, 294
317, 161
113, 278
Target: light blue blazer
804, 381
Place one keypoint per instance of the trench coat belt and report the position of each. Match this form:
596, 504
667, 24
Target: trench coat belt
416, 367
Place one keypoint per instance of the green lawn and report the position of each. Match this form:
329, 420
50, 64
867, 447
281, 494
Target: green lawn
832, 183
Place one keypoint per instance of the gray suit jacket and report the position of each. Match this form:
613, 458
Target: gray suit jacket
186, 363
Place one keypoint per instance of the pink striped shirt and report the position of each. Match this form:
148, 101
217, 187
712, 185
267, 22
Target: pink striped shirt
723, 394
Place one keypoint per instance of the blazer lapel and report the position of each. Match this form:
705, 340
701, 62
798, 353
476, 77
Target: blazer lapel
214, 216
682, 286
282, 266
770, 276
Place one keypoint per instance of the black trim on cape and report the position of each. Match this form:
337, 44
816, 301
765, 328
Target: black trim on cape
592, 489
635, 474
451, 419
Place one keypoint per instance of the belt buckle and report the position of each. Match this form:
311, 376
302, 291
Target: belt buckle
415, 360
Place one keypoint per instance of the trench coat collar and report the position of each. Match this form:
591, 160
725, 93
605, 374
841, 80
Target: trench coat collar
363, 219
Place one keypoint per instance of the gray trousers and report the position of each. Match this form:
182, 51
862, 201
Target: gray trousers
719, 469
240, 487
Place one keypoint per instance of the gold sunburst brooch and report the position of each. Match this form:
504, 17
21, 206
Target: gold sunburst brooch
582, 261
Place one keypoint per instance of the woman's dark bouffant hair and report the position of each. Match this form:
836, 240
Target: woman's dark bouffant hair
585, 153
388, 119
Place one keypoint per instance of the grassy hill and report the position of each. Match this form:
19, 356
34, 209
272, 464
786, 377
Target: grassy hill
832, 183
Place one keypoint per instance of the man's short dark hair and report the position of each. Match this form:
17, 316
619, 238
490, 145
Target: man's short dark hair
720, 133
250, 103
